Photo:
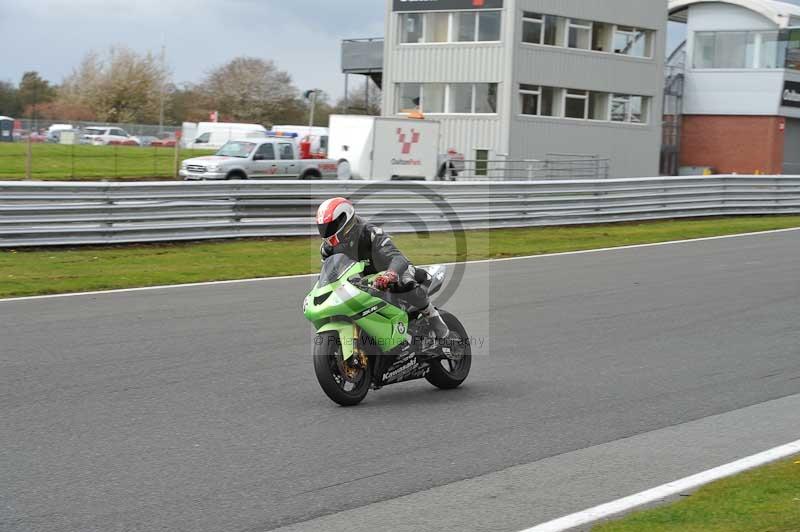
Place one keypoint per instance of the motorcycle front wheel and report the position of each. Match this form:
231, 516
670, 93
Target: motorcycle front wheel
330, 371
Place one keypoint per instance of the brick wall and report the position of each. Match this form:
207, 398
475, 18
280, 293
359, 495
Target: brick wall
733, 144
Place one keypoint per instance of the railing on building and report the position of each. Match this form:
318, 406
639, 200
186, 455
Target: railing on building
555, 166
362, 57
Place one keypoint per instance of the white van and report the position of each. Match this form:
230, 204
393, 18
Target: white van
214, 135
54, 131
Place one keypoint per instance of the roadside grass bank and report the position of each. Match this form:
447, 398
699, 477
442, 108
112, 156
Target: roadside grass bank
51, 162
25, 272
762, 500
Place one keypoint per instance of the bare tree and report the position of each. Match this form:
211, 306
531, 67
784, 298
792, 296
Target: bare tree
249, 89
185, 103
65, 110
359, 103
123, 87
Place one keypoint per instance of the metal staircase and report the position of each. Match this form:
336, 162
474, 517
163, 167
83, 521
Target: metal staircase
675, 77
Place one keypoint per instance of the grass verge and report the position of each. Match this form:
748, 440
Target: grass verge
82, 163
763, 500
56, 270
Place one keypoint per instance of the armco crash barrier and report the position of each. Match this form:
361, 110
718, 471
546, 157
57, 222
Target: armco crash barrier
48, 213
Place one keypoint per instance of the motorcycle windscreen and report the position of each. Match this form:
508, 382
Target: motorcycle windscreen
334, 268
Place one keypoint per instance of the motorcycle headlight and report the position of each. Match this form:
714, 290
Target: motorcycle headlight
305, 305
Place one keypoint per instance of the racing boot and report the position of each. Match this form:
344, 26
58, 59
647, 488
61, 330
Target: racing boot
436, 322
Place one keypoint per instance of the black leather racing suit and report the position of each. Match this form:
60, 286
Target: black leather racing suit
368, 242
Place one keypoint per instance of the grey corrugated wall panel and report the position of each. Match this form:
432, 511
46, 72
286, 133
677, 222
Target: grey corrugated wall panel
561, 67
453, 62
632, 150
650, 14
471, 133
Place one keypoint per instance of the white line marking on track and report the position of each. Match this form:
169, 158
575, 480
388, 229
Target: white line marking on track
158, 287
506, 259
667, 490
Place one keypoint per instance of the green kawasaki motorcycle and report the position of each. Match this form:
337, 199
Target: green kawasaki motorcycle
367, 338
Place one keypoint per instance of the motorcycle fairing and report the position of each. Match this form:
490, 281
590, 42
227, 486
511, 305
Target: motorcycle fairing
339, 306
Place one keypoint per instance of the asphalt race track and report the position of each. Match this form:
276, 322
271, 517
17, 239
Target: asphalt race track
197, 408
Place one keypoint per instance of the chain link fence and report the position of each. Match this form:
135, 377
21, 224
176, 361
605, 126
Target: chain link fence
82, 162
146, 132
125, 151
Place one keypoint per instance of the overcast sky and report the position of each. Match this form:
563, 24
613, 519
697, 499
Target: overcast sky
301, 36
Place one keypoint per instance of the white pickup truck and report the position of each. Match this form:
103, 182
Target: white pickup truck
269, 158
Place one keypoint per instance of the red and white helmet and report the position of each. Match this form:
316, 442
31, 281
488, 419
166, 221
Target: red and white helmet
335, 218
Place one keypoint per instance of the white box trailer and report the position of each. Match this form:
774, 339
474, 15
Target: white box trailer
384, 148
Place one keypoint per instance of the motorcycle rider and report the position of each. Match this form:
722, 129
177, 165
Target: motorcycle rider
344, 232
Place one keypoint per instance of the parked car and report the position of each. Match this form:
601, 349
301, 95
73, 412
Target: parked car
274, 158
35, 137
147, 140
105, 136
165, 140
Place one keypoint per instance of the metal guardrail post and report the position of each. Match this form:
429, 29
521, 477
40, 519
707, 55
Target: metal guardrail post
176, 160
29, 159
109, 211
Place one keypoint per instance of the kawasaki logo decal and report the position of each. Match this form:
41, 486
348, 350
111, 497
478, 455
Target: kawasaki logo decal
399, 372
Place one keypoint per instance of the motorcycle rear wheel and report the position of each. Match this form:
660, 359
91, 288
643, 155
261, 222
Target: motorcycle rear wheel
327, 364
448, 373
